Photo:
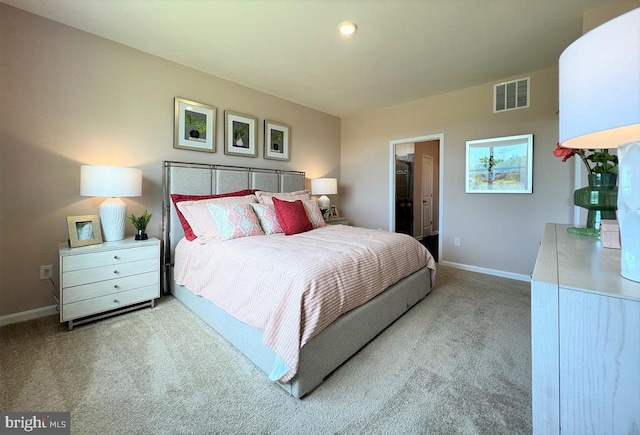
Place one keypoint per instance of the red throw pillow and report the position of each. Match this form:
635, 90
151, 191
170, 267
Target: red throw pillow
178, 197
292, 216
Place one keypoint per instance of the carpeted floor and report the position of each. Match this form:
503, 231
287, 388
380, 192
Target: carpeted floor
456, 363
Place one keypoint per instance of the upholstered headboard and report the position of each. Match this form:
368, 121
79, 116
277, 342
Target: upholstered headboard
206, 179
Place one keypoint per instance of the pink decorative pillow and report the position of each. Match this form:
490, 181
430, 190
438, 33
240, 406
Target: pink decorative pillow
313, 213
199, 218
235, 220
292, 216
268, 219
178, 197
267, 197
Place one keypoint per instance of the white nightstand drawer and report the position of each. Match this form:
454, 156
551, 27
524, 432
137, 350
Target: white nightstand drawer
104, 288
114, 256
106, 303
95, 274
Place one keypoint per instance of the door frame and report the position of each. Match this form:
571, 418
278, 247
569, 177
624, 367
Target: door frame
426, 157
392, 182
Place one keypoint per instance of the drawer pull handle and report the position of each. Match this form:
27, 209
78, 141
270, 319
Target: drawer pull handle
116, 257
116, 286
116, 272
115, 301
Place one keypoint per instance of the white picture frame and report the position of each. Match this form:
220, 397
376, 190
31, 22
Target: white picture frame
240, 134
277, 137
500, 165
194, 126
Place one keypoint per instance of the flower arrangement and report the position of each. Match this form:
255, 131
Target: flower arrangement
596, 161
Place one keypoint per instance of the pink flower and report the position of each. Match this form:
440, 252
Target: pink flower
565, 153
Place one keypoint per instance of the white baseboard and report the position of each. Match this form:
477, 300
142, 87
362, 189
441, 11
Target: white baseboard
28, 315
486, 271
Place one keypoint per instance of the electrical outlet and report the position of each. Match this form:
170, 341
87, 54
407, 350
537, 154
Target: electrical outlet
46, 271
456, 241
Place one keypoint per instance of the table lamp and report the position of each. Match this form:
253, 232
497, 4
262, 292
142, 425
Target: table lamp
111, 181
600, 108
324, 187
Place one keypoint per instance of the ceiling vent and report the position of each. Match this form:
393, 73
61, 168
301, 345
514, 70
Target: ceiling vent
511, 95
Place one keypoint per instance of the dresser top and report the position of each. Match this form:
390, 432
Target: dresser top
583, 264
128, 242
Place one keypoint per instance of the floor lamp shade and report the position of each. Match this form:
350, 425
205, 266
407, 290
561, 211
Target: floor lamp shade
112, 182
324, 187
600, 108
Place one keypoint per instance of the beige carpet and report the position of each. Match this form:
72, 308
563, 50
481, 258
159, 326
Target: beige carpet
458, 362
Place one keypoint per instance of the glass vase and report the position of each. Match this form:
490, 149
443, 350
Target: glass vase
600, 198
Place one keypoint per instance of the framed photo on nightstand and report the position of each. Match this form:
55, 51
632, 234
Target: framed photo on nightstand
334, 212
84, 230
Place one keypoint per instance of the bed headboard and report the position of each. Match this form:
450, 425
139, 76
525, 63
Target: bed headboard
206, 179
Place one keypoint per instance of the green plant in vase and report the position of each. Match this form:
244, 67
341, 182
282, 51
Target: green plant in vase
600, 198
199, 126
140, 223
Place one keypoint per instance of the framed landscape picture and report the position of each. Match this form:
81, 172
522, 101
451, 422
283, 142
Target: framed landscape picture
194, 126
240, 134
500, 165
276, 141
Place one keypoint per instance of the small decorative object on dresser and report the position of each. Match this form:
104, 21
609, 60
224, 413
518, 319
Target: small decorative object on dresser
106, 279
84, 230
141, 224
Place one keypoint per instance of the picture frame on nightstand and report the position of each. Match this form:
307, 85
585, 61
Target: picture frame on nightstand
84, 230
334, 212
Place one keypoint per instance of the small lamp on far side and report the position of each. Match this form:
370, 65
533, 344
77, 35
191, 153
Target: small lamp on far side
112, 182
324, 187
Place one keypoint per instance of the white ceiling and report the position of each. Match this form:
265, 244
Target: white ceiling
403, 50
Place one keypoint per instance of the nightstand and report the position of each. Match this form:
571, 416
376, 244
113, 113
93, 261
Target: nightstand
337, 221
109, 278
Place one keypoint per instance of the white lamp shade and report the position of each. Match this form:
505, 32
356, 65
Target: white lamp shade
324, 186
600, 108
111, 181
600, 86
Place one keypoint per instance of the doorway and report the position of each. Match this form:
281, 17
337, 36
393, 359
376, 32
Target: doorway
415, 186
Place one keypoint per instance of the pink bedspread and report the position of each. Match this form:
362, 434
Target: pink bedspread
292, 287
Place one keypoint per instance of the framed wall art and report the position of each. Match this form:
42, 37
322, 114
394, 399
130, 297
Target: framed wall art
240, 134
500, 165
84, 230
194, 126
276, 141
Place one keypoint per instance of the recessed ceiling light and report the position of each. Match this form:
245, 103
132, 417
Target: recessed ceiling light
347, 27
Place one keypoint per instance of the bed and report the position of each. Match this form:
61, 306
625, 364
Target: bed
322, 350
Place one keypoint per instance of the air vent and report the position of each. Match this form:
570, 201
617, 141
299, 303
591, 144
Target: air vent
511, 95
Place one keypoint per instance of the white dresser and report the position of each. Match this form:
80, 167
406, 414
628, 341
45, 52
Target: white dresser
109, 278
585, 338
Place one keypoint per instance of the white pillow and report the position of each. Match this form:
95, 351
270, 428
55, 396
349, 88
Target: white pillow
267, 197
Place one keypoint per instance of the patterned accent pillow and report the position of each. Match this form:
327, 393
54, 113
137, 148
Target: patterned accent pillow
235, 220
313, 213
267, 197
199, 217
268, 219
179, 197
292, 216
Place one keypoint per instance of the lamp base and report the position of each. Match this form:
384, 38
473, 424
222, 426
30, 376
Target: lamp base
112, 218
629, 209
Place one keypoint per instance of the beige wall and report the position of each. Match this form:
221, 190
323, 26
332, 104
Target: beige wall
497, 231
71, 98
